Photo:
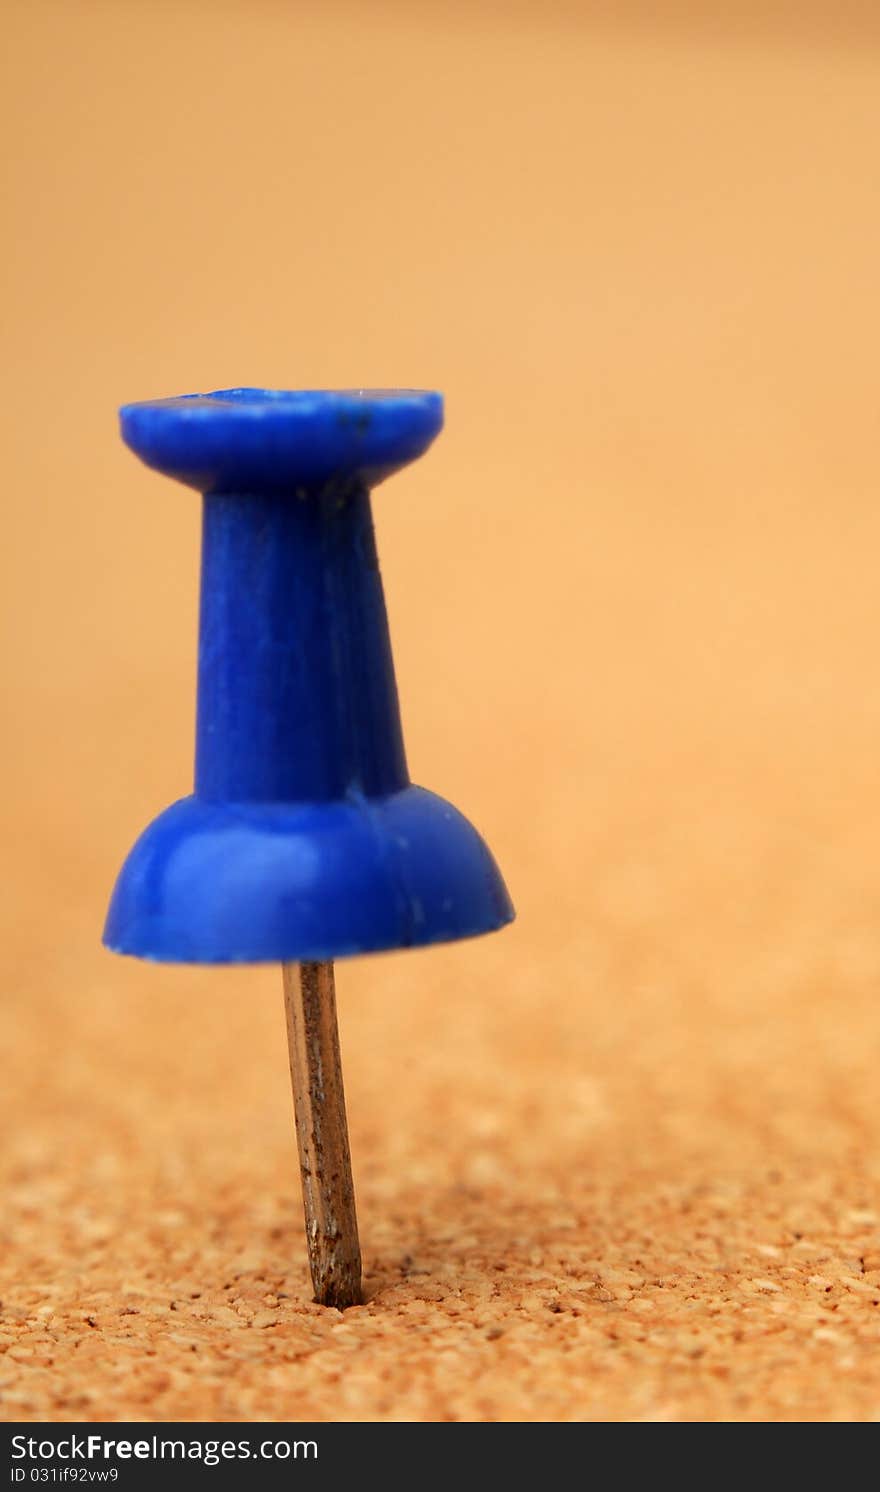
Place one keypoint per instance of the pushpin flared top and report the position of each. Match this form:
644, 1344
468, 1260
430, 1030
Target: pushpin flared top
276, 440
304, 839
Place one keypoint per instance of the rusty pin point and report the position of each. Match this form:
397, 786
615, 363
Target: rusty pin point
304, 840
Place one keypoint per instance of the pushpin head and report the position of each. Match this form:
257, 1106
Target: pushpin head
304, 840
274, 440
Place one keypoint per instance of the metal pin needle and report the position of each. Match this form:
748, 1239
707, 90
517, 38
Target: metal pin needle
322, 1134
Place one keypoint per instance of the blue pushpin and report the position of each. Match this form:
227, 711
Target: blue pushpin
305, 840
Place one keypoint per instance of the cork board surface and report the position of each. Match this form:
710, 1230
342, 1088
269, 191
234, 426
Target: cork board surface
619, 1161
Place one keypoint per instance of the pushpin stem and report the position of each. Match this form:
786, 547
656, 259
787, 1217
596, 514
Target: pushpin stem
297, 701
322, 1134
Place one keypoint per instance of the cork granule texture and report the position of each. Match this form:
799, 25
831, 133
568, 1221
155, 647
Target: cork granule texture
621, 1160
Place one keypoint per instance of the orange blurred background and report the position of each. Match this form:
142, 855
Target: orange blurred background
632, 590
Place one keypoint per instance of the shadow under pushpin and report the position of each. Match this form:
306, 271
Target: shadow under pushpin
305, 840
